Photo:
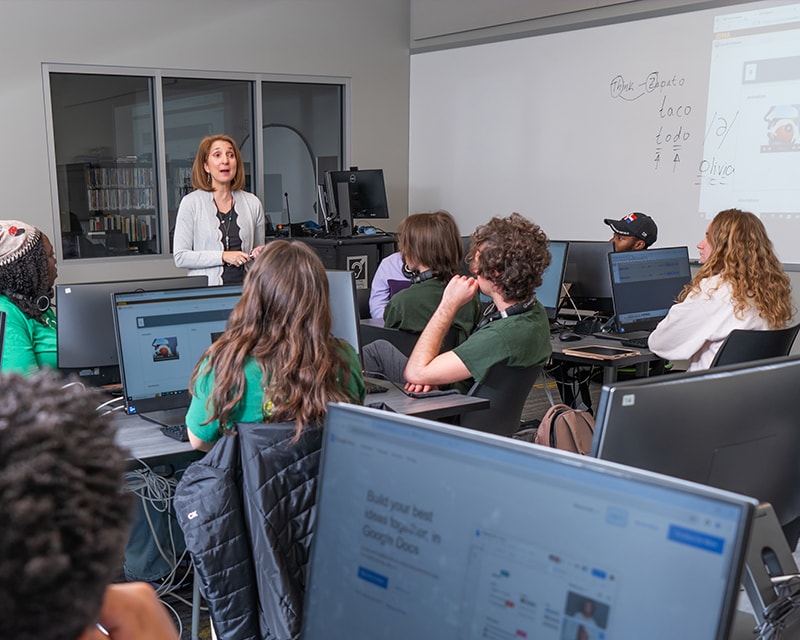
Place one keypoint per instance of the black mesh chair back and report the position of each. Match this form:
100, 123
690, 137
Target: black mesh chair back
745, 345
507, 388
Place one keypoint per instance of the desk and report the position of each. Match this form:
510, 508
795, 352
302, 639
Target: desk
610, 367
145, 442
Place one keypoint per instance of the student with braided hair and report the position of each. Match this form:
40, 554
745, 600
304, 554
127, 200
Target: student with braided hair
27, 275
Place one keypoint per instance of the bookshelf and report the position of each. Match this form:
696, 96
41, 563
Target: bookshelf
115, 204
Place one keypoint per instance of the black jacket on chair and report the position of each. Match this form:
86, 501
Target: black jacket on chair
247, 510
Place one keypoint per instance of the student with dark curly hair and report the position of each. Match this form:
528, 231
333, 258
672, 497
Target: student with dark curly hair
277, 360
740, 285
430, 244
27, 275
65, 520
507, 257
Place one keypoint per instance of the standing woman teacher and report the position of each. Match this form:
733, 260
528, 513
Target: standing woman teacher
220, 227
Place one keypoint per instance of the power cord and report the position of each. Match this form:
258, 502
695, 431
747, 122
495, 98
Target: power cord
784, 613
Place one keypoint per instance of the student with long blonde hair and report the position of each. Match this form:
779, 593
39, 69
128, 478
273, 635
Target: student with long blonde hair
277, 360
740, 285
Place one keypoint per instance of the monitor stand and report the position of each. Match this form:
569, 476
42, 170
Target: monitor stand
768, 559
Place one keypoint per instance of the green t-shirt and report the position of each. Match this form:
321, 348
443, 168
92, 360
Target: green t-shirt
521, 340
28, 345
411, 308
251, 407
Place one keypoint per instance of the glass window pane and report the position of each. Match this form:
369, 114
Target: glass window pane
302, 132
193, 109
103, 129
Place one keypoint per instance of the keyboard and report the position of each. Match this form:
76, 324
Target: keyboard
629, 335
432, 393
640, 342
176, 431
372, 387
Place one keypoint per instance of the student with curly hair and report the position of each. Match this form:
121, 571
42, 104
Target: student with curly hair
507, 257
27, 275
740, 285
65, 520
277, 360
430, 244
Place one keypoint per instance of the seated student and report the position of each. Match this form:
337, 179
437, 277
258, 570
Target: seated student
66, 520
508, 257
634, 232
27, 275
433, 253
390, 278
277, 360
740, 285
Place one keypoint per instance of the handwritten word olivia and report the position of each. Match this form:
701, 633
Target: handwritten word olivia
716, 172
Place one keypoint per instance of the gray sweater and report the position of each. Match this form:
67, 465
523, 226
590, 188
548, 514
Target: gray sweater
197, 243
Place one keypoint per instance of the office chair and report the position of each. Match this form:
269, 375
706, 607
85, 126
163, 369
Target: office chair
507, 389
744, 345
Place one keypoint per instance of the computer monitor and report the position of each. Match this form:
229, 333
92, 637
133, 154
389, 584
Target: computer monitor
427, 530
549, 292
645, 285
366, 193
733, 427
85, 330
588, 277
161, 336
344, 308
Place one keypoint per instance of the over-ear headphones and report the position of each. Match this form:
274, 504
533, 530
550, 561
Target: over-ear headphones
42, 302
417, 276
490, 314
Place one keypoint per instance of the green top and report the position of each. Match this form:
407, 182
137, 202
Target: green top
28, 345
254, 407
411, 308
521, 340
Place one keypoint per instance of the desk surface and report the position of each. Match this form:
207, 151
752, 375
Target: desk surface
145, 442
640, 361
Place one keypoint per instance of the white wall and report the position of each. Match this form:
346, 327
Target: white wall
365, 40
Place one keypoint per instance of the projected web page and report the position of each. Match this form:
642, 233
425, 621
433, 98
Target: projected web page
751, 155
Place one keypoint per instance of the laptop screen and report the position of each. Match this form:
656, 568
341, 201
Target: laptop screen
427, 530
549, 293
161, 335
645, 284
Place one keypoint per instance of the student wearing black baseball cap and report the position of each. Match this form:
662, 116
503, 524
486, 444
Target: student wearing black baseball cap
633, 232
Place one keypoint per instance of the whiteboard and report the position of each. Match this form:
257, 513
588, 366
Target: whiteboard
573, 127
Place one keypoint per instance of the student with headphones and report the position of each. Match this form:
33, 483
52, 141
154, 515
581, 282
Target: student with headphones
430, 244
27, 274
507, 257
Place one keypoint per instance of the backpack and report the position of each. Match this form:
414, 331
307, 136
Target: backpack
563, 427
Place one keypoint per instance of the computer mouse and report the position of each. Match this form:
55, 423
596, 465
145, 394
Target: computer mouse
570, 337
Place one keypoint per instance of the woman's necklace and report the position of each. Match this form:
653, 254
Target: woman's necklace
225, 220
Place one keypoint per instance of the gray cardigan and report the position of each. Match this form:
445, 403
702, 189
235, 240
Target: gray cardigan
197, 243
